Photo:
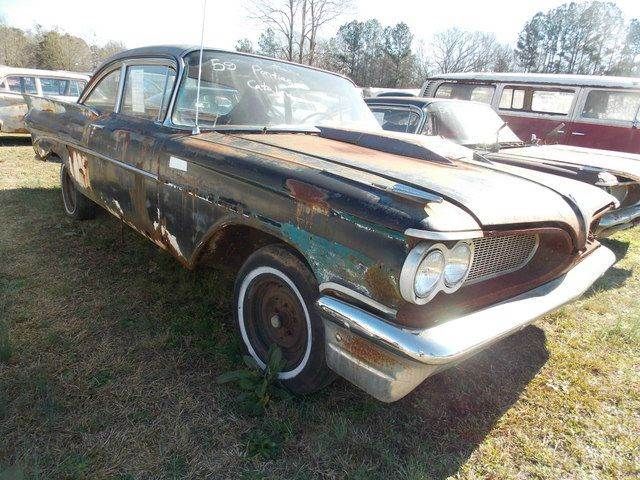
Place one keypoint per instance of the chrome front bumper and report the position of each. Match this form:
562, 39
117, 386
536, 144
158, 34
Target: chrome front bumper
388, 361
619, 219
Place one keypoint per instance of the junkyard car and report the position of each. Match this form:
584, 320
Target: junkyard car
374, 257
477, 126
14, 82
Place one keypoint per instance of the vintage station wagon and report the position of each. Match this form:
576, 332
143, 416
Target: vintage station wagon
477, 126
14, 82
579, 110
381, 259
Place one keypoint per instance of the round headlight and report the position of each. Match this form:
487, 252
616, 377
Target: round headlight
457, 265
428, 273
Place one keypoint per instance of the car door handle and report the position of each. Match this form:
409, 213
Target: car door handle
560, 131
95, 126
578, 134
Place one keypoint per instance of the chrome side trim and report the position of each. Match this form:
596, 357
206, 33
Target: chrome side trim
411, 192
619, 219
336, 287
456, 339
443, 236
126, 166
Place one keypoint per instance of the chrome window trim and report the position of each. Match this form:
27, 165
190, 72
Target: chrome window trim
86, 93
336, 287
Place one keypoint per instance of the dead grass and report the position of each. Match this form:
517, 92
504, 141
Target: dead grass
114, 348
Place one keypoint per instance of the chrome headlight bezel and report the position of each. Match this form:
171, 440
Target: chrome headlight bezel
412, 263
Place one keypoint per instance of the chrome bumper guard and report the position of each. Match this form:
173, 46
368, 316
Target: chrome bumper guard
619, 219
388, 361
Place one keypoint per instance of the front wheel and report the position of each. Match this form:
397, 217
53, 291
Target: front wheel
274, 299
75, 204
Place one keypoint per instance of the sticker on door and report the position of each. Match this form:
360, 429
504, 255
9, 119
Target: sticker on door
177, 164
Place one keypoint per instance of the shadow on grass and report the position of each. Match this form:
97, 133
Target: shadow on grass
14, 140
615, 277
430, 433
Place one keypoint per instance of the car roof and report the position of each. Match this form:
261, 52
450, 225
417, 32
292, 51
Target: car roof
6, 70
543, 78
177, 51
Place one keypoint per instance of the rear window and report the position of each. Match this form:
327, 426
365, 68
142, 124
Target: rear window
611, 105
397, 119
19, 84
466, 91
530, 99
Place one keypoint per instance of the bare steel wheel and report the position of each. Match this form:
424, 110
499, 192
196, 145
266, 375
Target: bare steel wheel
274, 296
75, 204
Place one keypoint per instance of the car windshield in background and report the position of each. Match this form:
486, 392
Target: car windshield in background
469, 123
245, 91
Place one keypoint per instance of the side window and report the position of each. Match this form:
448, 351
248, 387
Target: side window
529, 99
103, 96
21, 84
512, 99
54, 86
466, 91
552, 101
75, 87
611, 105
147, 89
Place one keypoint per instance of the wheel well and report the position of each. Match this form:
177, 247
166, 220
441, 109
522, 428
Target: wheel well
231, 245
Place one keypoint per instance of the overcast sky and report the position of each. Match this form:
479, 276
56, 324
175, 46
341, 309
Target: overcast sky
147, 22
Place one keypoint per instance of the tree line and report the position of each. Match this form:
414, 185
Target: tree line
586, 38
51, 49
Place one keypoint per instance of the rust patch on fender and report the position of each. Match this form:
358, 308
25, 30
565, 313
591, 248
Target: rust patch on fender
310, 199
380, 285
366, 352
79, 166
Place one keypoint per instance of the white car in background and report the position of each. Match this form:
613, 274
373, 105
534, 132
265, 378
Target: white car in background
14, 82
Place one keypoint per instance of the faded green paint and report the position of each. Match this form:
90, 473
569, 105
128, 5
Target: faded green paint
329, 260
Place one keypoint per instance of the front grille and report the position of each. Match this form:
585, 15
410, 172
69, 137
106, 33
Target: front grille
495, 256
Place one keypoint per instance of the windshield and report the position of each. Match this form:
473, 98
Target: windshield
469, 123
243, 91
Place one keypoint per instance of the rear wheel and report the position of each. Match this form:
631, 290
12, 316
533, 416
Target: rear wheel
75, 204
274, 299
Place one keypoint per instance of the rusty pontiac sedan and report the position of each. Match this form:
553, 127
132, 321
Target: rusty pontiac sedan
372, 256
476, 125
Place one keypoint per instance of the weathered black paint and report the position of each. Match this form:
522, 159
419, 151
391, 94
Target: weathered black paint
342, 215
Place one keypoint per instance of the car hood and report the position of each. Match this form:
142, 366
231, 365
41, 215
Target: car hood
619, 163
494, 195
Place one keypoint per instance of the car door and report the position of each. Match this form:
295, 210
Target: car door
128, 141
605, 118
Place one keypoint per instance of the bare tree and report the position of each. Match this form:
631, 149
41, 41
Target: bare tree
456, 50
322, 12
280, 15
298, 22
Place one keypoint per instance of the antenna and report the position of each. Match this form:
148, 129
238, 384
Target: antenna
196, 127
